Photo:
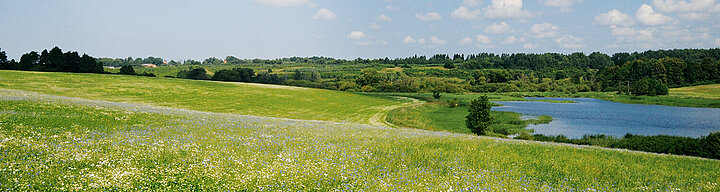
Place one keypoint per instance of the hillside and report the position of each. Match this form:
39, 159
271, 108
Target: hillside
209, 96
63, 143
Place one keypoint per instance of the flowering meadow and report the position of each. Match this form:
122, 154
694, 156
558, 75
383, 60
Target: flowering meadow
62, 143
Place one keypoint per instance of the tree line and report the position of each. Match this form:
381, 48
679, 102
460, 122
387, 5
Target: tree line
52, 61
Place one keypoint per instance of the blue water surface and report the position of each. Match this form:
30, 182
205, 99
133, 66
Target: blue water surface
594, 116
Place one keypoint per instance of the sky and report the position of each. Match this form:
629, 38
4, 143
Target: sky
184, 29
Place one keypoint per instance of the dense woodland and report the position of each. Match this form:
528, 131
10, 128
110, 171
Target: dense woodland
645, 73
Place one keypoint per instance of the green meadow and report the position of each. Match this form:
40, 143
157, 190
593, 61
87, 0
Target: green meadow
78, 132
210, 96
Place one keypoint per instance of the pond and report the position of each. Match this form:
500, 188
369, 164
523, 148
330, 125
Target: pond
594, 116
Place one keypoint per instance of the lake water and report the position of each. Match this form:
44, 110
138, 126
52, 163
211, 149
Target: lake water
595, 116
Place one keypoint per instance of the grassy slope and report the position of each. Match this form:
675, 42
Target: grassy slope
701, 91
221, 97
80, 145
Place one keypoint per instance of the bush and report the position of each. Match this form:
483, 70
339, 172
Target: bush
127, 70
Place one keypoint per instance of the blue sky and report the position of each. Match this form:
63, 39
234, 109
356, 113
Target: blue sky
349, 29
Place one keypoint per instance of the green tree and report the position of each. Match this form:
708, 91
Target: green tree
478, 121
648, 86
127, 70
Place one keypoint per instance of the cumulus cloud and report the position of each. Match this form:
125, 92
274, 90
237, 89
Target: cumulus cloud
694, 16
498, 28
485, 40
285, 2
544, 30
506, 9
421, 41
647, 15
324, 14
409, 40
356, 35
465, 13
614, 17
374, 26
437, 41
684, 5
569, 41
432, 16
530, 46
465, 41
383, 18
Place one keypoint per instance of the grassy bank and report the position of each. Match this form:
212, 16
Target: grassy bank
438, 116
221, 97
49, 143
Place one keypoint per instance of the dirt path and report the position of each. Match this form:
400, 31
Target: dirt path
379, 119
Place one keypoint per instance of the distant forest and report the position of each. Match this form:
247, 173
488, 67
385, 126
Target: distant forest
638, 73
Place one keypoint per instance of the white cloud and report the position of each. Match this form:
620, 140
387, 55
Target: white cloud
544, 30
432, 16
498, 28
506, 9
465, 41
614, 17
530, 46
409, 40
684, 5
482, 39
356, 35
648, 16
421, 41
374, 26
510, 40
717, 42
569, 41
383, 18
694, 16
558, 3
565, 5
465, 13
631, 35
622, 31
285, 2
437, 41
390, 7
324, 14
471, 3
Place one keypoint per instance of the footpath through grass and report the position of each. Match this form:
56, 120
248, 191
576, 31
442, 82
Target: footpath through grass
210, 96
55, 143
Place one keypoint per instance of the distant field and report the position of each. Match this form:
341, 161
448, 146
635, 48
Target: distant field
701, 91
220, 97
50, 143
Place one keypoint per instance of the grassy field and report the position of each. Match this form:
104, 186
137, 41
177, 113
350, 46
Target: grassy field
58, 143
701, 91
220, 97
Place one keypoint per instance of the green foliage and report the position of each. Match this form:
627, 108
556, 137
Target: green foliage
127, 70
195, 72
54, 60
650, 87
478, 119
436, 95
